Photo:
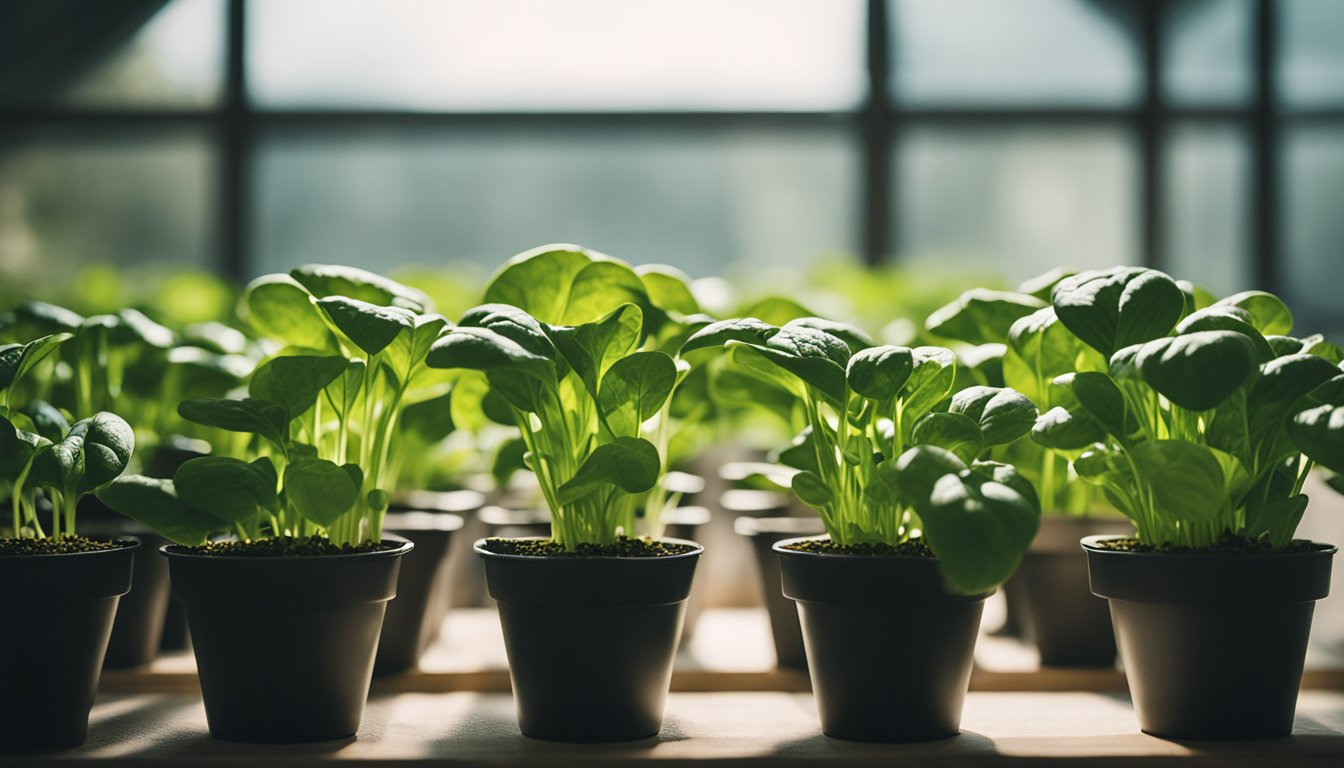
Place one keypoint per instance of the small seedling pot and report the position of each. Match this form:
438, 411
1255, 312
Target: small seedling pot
764, 533
413, 619
285, 645
141, 612
1070, 626
889, 646
58, 613
590, 639
1213, 644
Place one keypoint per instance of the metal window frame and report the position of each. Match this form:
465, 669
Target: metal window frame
877, 123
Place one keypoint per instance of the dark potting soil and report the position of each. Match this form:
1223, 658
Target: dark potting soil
312, 546
912, 548
623, 547
1229, 545
64, 546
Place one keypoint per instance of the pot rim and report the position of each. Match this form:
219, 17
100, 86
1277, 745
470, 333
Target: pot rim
128, 543
479, 548
1090, 544
404, 546
782, 547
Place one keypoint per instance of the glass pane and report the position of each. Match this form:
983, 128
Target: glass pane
1207, 51
73, 198
1311, 63
698, 200
1064, 51
1313, 229
175, 60
1207, 223
544, 55
1017, 200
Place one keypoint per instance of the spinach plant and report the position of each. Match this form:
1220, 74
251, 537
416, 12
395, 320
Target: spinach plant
1205, 420
320, 416
578, 350
890, 453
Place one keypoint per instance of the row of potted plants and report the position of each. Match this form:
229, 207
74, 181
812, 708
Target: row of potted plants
1196, 420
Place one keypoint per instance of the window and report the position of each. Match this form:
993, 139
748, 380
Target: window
1199, 136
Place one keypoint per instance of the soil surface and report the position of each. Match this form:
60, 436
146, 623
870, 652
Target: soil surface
313, 546
1228, 545
913, 548
622, 548
64, 546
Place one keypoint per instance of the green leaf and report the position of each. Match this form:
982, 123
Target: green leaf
1041, 285
918, 470
879, 373
815, 357
812, 490
320, 490
981, 316
371, 327
634, 389
1101, 397
601, 287
1227, 318
629, 463
16, 360
17, 448
1002, 414
1114, 308
48, 420
108, 444
953, 432
295, 381
930, 381
154, 504
59, 465
145, 331
1040, 348
250, 415
482, 349
407, 351
324, 280
1268, 312
668, 288
280, 308
591, 348
538, 281
1264, 517
854, 337
429, 421
1199, 370
1319, 433
513, 324
227, 489
1186, 480
747, 330
39, 318
1064, 430
979, 529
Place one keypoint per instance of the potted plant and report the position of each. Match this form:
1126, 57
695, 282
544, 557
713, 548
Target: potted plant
1048, 596
593, 614
306, 503
64, 588
920, 529
1206, 421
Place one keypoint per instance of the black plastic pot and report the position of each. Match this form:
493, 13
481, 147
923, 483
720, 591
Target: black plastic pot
58, 613
889, 647
1213, 645
138, 628
1070, 626
590, 640
764, 533
285, 645
413, 619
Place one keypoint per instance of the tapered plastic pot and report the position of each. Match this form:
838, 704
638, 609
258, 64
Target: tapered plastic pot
138, 628
413, 619
590, 639
285, 645
1070, 626
763, 533
1213, 644
58, 613
889, 646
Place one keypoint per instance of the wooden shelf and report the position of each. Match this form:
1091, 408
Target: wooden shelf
700, 729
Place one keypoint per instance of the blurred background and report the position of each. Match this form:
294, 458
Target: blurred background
742, 138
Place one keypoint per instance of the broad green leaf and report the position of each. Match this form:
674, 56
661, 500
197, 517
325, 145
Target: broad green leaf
140, 328
747, 330
634, 389
1041, 285
931, 380
629, 463
1008, 475
17, 447
482, 349
816, 357
32, 319
1064, 430
1317, 345
344, 390
917, 471
227, 489
668, 289
1002, 414
1185, 480
1285, 379
801, 453
320, 490
59, 465
258, 417
513, 324
429, 421
1319, 433
979, 529
295, 381
108, 444
154, 503
1268, 312
981, 316
324, 280
538, 281
1040, 348
775, 310
812, 490
16, 360
407, 351
854, 337
280, 308
1102, 399
1227, 318
601, 287
879, 373
1263, 517
371, 327
1199, 370
591, 348
952, 432
1114, 308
